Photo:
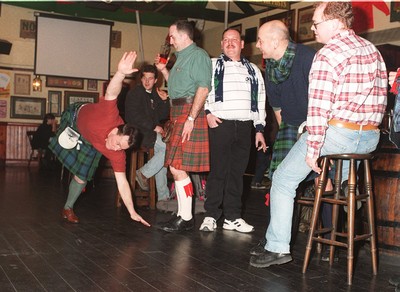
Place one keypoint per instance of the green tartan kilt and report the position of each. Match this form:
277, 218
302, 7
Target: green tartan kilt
285, 139
193, 155
82, 163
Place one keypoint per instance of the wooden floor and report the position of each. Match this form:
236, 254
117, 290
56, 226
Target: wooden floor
109, 252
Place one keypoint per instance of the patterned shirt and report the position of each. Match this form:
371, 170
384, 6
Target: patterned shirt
237, 95
348, 82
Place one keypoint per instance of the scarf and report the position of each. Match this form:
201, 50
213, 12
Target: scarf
279, 71
219, 80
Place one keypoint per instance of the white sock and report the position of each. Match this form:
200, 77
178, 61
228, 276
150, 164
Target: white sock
184, 193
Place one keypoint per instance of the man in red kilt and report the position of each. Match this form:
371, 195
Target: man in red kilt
189, 82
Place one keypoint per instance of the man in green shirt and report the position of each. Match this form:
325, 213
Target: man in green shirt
189, 82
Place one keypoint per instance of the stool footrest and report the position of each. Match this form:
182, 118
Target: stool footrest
340, 201
330, 242
362, 236
323, 230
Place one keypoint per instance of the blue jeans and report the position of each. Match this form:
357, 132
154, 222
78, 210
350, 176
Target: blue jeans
155, 166
294, 170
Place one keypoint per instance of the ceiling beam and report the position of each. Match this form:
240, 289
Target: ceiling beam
245, 7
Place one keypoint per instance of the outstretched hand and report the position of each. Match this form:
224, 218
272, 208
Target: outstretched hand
139, 218
125, 65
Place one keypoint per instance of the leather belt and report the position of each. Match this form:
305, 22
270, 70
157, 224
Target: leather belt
182, 101
352, 126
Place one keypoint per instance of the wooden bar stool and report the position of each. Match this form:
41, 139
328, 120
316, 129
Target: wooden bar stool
349, 201
142, 198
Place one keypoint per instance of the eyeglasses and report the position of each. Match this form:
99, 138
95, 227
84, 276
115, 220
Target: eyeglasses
315, 24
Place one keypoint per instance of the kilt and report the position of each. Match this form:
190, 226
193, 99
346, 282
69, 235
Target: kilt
285, 139
193, 155
82, 163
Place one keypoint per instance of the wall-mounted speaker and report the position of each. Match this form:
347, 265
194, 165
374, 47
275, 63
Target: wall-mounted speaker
5, 47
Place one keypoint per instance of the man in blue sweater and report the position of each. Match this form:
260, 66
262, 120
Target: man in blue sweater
286, 81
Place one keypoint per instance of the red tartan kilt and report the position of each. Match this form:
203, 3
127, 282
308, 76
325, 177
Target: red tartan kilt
193, 155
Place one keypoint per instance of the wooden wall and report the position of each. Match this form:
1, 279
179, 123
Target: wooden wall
14, 143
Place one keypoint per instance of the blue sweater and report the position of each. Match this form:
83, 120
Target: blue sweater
292, 95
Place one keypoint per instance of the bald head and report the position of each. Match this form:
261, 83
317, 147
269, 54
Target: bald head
275, 28
273, 39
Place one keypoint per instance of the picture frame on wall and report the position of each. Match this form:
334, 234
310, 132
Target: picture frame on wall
304, 23
27, 107
250, 35
394, 11
22, 84
287, 18
64, 82
92, 85
54, 102
70, 97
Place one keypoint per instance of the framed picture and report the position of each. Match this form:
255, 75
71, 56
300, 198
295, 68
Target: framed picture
22, 84
70, 97
116, 37
304, 23
55, 103
286, 17
238, 27
27, 107
250, 35
65, 82
92, 85
394, 11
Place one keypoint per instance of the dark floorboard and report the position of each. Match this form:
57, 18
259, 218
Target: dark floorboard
109, 252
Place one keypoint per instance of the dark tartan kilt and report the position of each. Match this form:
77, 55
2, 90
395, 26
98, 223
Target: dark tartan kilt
193, 155
285, 139
82, 163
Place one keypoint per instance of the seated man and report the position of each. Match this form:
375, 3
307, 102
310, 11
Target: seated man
42, 136
347, 100
102, 132
147, 107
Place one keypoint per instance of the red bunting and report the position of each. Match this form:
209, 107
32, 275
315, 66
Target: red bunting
363, 14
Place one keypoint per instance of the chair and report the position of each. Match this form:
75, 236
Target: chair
39, 151
142, 198
350, 201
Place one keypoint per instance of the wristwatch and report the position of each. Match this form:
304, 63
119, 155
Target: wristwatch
190, 118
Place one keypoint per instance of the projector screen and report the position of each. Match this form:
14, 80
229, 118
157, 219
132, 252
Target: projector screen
72, 47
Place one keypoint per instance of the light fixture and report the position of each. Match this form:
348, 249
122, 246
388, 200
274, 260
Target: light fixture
37, 83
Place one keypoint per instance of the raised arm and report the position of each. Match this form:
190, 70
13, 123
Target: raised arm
125, 67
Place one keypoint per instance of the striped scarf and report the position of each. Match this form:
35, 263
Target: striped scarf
279, 71
219, 80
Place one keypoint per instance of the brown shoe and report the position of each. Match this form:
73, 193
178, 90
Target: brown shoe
142, 181
69, 215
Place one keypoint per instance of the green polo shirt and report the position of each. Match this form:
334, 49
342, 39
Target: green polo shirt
191, 70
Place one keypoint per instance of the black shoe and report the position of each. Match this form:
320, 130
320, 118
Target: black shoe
268, 258
259, 248
326, 253
178, 224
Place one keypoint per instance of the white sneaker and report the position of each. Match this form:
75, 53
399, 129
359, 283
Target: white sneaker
209, 224
238, 225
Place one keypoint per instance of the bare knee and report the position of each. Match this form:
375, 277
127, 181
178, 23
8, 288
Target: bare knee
177, 173
78, 180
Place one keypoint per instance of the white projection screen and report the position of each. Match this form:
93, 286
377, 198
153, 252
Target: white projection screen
72, 47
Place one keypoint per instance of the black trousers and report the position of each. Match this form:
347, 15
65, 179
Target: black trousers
230, 144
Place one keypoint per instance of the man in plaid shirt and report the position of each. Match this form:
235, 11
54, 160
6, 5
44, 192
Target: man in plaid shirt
347, 100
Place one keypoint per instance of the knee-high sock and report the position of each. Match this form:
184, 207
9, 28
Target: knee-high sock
184, 193
75, 189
